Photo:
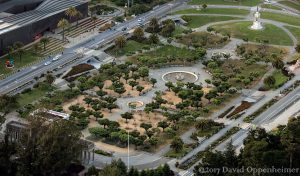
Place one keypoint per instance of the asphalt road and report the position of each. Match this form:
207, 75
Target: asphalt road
17, 80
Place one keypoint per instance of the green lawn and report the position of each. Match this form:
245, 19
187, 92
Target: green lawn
290, 4
270, 6
295, 31
197, 21
292, 20
226, 2
214, 11
130, 48
32, 96
173, 154
27, 58
241, 30
178, 30
280, 78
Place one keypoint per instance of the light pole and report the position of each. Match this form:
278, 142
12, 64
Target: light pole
128, 167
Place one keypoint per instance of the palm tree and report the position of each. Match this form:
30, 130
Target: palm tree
19, 49
71, 12
94, 20
63, 24
120, 41
153, 24
36, 48
45, 41
79, 15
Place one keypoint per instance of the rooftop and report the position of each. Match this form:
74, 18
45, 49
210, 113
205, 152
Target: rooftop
45, 9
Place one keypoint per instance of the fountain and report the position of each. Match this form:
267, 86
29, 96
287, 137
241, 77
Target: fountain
182, 76
256, 23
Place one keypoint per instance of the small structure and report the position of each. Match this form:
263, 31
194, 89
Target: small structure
257, 23
295, 66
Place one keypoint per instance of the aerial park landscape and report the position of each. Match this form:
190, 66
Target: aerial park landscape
162, 88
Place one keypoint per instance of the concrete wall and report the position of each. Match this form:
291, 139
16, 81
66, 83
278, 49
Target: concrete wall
26, 34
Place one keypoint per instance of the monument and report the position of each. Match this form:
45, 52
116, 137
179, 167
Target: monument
256, 23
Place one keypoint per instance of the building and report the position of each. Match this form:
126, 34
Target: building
32, 19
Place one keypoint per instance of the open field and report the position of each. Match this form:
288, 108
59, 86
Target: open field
280, 78
197, 21
292, 20
227, 2
214, 11
241, 30
290, 4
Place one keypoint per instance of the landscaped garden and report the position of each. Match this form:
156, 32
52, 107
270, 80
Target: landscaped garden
165, 55
242, 30
197, 21
214, 11
203, 39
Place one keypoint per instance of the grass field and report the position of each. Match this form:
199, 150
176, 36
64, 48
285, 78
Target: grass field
33, 95
291, 4
130, 47
227, 2
294, 58
27, 58
241, 30
270, 6
214, 11
180, 154
197, 21
295, 31
281, 18
178, 30
280, 78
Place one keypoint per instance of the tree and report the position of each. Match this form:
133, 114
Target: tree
277, 63
120, 42
49, 148
177, 144
94, 20
163, 124
63, 24
45, 41
153, 140
127, 115
99, 132
297, 48
204, 6
270, 81
153, 25
133, 84
201, 52
36, 48
153, 81
138, 33
104, 122
183, 94
143, 72
146, 126
169, 85
139, 88
19, 49
50, 78
71, 12
79, 15
8, 103
153, 39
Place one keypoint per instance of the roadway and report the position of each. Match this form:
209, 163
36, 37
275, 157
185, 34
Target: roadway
27, 75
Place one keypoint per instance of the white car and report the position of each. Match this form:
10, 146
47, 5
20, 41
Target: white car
55, 58
47, 63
